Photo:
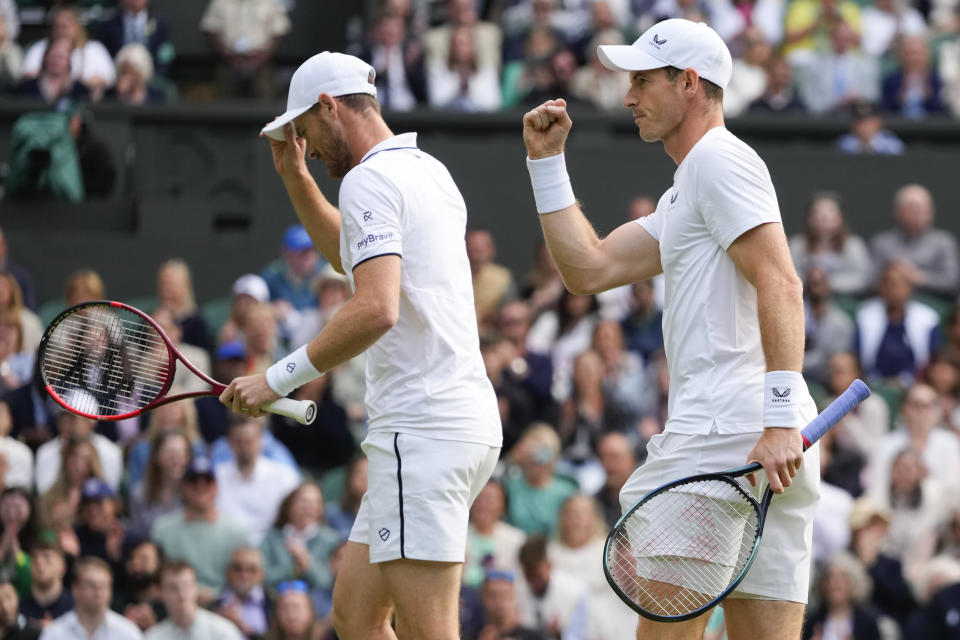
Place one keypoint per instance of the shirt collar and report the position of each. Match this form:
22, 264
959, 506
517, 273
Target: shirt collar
402, 141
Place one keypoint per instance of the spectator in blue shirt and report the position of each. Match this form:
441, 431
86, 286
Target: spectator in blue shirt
290, 277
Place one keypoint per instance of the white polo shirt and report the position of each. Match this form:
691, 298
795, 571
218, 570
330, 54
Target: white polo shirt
113, 627
711, 332
425, 376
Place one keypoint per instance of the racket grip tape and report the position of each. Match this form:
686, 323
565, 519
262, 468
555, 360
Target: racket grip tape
303, 411
856, 393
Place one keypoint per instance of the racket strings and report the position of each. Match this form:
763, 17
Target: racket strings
103, 360
684, 547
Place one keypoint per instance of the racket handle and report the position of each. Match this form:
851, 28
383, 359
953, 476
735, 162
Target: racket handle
856, 393
303, 411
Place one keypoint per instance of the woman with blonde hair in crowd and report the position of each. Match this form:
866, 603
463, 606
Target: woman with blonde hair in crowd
581, 533
462, 82
58, 506
159, 492
169, 417
134, 72
16, 364
11, 299
827, 242
295, 617
90, 62
175, 293
83, 285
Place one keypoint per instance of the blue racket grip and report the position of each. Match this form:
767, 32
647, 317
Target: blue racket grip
856, 393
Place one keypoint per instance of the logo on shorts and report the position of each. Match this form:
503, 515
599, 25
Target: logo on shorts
781, 395
290, 367
384, 534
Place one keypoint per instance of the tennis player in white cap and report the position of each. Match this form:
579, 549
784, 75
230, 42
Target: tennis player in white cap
733, 315
434, 431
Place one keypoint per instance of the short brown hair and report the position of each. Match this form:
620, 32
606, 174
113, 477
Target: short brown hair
533, 552
713, 91
176, 567
360, 102
90, 562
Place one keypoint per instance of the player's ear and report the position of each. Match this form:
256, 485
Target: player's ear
327, 104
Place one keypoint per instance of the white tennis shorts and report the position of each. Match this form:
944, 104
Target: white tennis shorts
419, 492
781, 569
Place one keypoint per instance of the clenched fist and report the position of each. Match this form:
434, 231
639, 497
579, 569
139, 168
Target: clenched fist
545, 129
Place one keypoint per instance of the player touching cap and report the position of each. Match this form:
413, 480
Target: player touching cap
733, 320
434, 430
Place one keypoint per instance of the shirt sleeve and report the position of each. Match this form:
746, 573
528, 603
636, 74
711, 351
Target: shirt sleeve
371, 208
735, 193
653, 224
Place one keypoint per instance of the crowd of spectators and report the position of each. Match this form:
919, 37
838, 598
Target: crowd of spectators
189, 506
813, 56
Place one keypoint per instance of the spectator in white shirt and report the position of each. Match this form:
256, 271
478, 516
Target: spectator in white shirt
91, 618
549, 600
185, 620
19, 458
71, 426
461, 82
252, 486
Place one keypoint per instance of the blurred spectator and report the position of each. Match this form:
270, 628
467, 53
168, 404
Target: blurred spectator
928, 254
19, 273
398, 59
97, 165
485, 37
542, 285
332, 290
175, 416
175, 293
944, 376
54, 79
643, 325
18, 456
244, 602
73, 427
16, 363
845, 588
295, 617
13, 626
556, 81
828, 243
831, 528
179, 586
810, 26
949, 66
10, 15
549, 600
492, 544
342, 513
885, 22
749, 79
245, 35
766, 15
99, 531
624, 376
581, 535
134, 73
529, 70
563, 333
868, 532
89, 61
861, 429
261, 337
47, 598
199, 533
136, 23
941, 599
91, 616
896, 335
722, 16
840, 76
290, 277
524, 19
493, 284
248, 290
252, 486
159, 492
618, 461
18, 522
867, 133
829, 330
501, 611
83, 285
12, 301
300, 543
780, 95
603, 87
460, 82
11, 56
939, 448
184, 380
58, 507
535, 494
913, 90
138, 585
506, 371
531, 370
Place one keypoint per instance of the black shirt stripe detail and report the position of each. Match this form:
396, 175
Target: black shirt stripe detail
396, 450
379, 255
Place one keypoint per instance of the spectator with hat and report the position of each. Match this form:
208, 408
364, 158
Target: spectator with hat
247, 291
867, 133
290, 277
100, 532
199, 533
229, 362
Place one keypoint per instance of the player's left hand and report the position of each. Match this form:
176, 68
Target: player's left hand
248, 393
780, 452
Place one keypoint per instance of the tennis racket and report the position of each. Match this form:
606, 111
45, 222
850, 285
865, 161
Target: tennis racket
686, 545
109, 361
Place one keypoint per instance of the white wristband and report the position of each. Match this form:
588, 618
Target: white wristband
551, 184
291, 372
784, 392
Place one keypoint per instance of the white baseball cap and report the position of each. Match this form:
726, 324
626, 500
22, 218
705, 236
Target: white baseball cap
335, 74
676, 42
252, 285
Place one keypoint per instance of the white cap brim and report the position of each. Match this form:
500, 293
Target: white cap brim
275, 129
625, 57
